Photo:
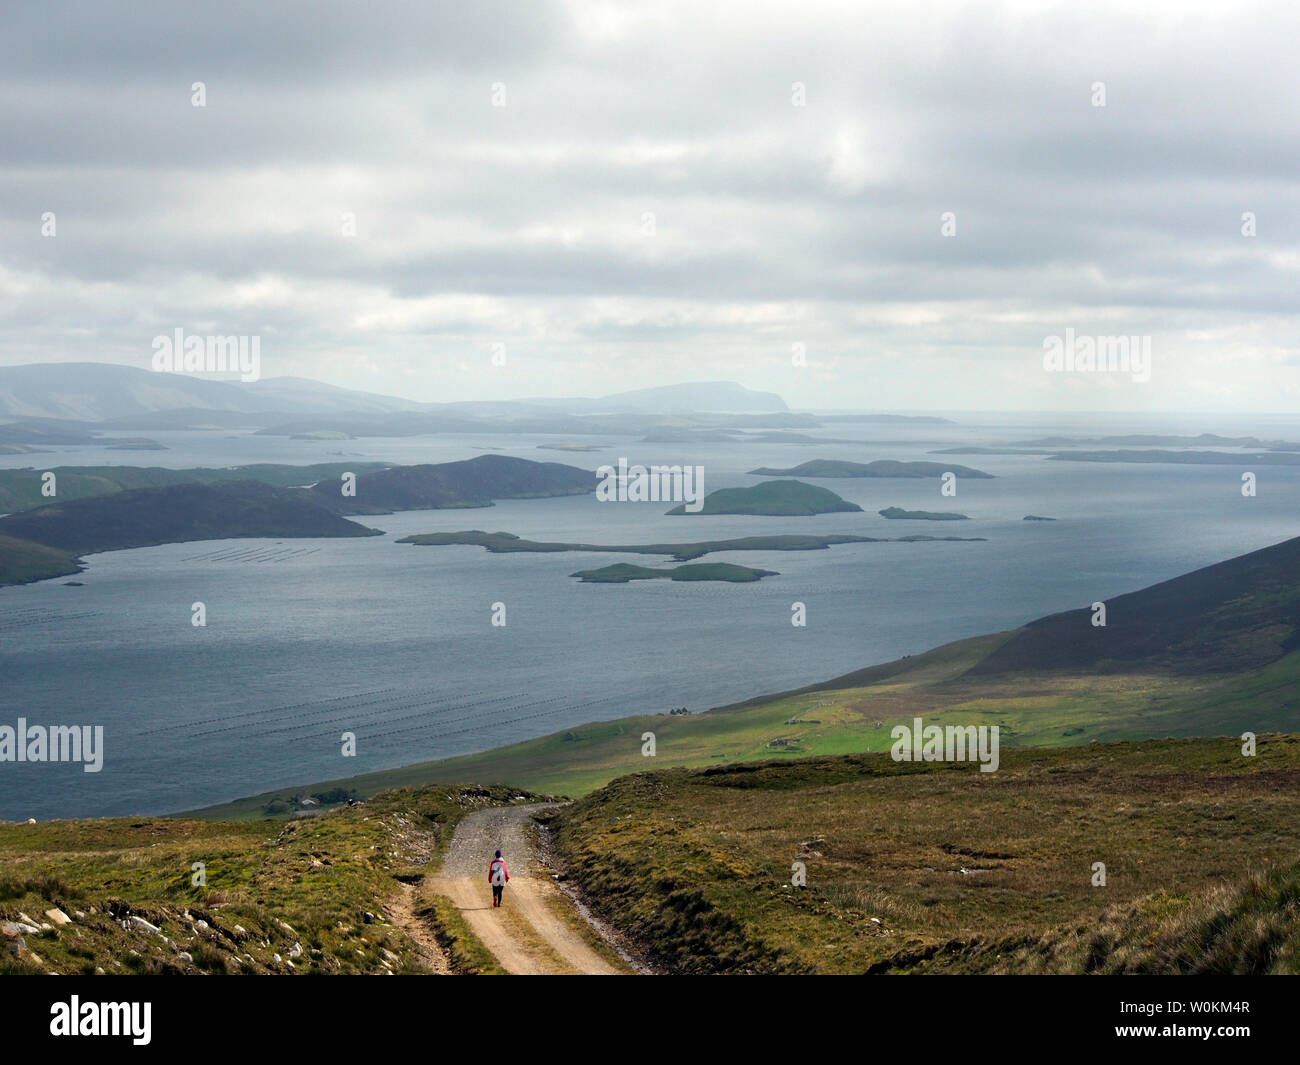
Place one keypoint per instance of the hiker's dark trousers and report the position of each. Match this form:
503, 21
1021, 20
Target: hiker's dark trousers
496, 893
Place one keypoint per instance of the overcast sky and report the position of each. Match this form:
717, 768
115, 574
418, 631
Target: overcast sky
528, 225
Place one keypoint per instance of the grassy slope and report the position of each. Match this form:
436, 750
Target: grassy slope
699, 863
22, 562
318, 875
21, 489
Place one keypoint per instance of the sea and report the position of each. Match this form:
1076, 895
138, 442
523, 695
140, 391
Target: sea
306, 640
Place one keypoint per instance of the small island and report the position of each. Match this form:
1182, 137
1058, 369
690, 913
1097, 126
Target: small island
879, 468
774, 499
622, 572
1036, 517
898, 513
504, 543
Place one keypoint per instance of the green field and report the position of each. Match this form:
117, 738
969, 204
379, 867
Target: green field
937, 867
320, 883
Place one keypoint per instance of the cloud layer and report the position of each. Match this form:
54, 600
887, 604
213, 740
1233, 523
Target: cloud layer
627, 195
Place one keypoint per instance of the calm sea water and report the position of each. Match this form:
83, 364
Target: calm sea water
306, 639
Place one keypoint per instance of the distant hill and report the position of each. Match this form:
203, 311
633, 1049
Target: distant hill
1156, 440
777, 498
1182, 458
21, 489
699, 396
39, 431
879, 468
94, 392
143, 517
473, 482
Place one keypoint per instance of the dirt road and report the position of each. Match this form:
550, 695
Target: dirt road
537, 931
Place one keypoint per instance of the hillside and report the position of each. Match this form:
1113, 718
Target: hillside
318, 895
774, 498
471, 483
879, 468
935, 867
96, 391
1237, 615
22, 562
143, 517
21, 489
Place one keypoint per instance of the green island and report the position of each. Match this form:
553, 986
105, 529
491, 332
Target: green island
623, 572
508, 543
898, 513
1036, 517
773, 498
879, 468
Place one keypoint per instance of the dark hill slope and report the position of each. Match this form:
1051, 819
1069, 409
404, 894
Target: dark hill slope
1234, 615
473, 482
174, 514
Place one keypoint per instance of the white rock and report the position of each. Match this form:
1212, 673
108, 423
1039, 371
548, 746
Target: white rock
141, 923
58, 917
